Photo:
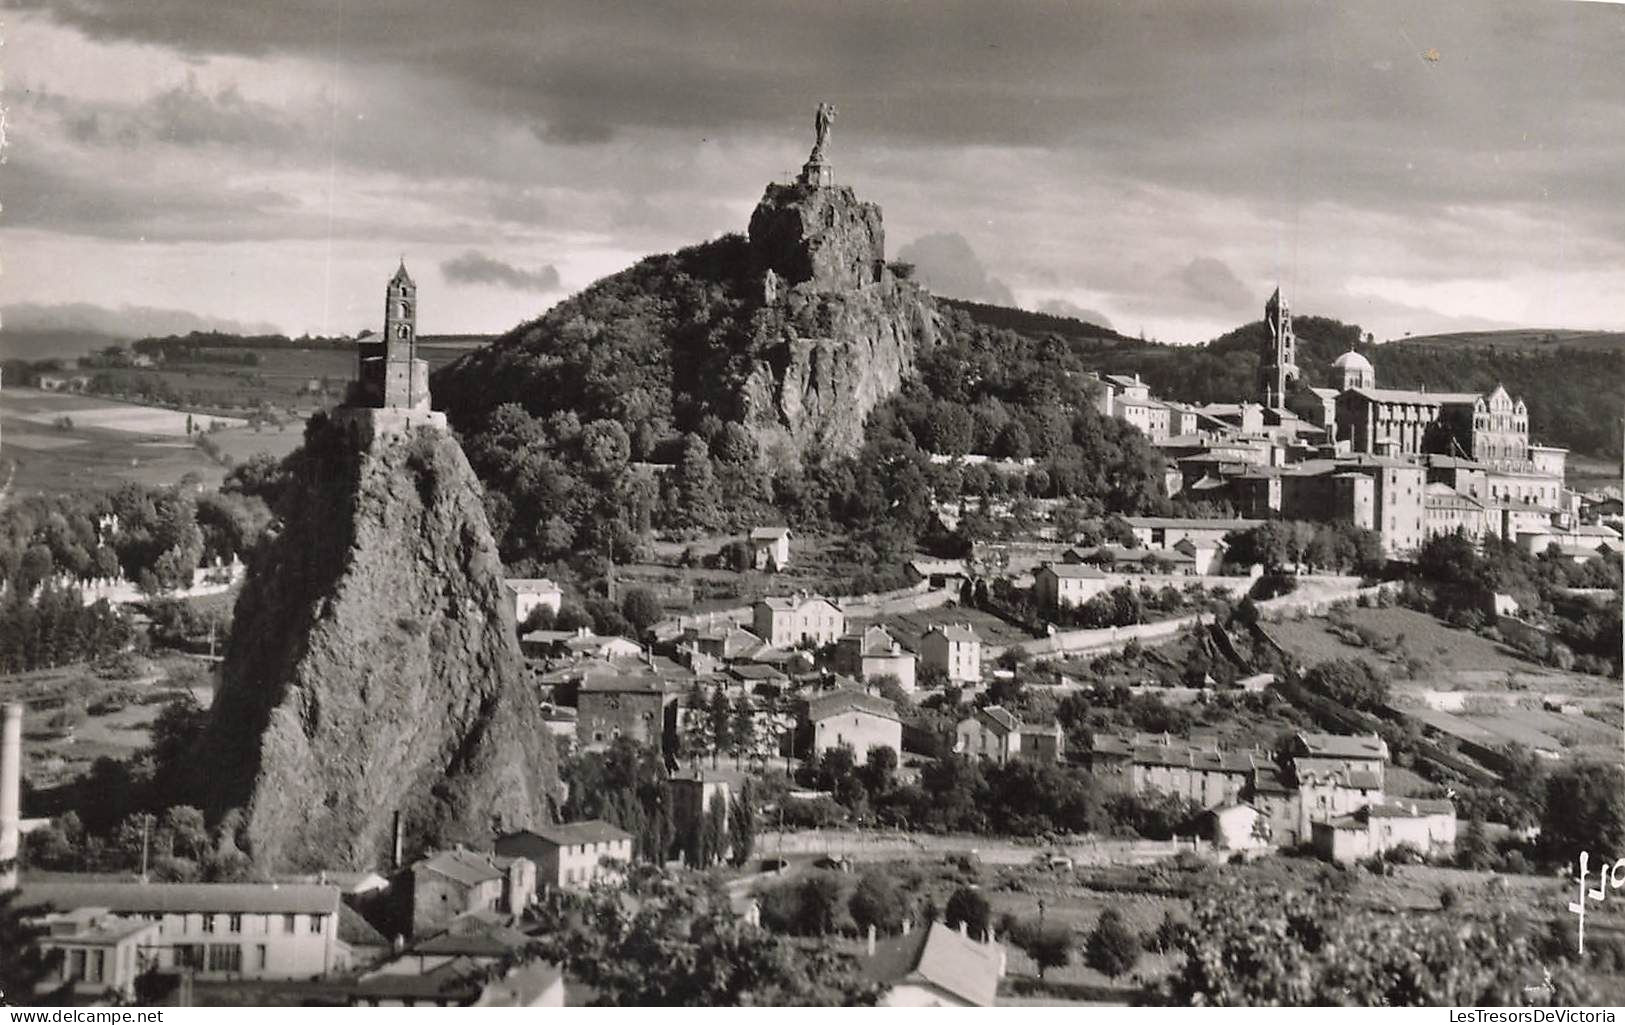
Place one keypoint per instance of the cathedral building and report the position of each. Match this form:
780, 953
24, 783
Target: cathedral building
1406, 463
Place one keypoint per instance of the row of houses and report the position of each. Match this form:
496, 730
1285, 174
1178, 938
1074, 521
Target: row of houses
1328, 790
107, 935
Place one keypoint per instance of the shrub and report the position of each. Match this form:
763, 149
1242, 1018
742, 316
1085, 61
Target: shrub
1113, 949
970, 907
1447, 898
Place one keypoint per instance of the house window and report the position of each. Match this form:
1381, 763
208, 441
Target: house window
260, 957
98, 963
208, 923
290, 924
76, 968
225, 957
189, 955
235, 923
317, 922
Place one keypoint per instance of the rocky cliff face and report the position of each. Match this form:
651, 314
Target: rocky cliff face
373, 667
838, 331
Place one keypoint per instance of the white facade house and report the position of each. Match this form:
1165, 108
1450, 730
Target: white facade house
954, 648
788, 621
770, 548
528, 594
1066, 584
570, 855
219, 930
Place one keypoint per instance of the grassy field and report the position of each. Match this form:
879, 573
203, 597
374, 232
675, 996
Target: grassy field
103, 443
1448, 650
1466, 685
119, 711
283, 378
815, 566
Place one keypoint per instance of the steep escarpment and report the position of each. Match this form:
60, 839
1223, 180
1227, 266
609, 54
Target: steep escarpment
373, 666
797, 331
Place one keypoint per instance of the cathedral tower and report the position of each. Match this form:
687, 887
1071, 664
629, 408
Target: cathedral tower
1279, 366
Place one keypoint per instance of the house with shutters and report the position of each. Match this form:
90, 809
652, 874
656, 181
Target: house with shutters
1062, 584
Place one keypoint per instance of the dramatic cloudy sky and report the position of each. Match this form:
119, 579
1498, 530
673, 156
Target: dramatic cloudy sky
1414, 167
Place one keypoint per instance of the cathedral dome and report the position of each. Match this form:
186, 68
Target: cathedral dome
1351, 360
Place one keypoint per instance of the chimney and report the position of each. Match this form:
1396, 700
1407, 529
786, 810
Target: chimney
395, 842
871, 939
11, 791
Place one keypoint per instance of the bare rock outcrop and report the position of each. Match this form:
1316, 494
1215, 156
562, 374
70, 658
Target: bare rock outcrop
373, 666
838, 330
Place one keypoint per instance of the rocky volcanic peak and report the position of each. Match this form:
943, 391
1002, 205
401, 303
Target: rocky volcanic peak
822, 236
797, 331
373, 666
838, 330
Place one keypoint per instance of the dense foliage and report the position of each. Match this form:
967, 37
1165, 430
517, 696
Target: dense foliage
624, 785
1454, 578
1256, 947
673, 941
50, 545
1018, 798
1337, 547
564, 415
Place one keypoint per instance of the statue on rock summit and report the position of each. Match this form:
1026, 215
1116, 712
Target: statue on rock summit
823, 120
816, 171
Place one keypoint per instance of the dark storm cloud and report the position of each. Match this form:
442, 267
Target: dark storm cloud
121, 203
573, 133
184, 115
946, 264
1188, 90
476, 268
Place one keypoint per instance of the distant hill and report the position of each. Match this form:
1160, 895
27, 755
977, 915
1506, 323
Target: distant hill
1037, 325
67, 346
1573, 381
1522, 340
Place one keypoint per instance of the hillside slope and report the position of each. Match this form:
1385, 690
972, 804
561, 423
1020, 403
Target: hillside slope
797, 332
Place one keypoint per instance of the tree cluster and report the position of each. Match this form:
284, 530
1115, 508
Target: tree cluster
1339, 547
673, 941
1251, 947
